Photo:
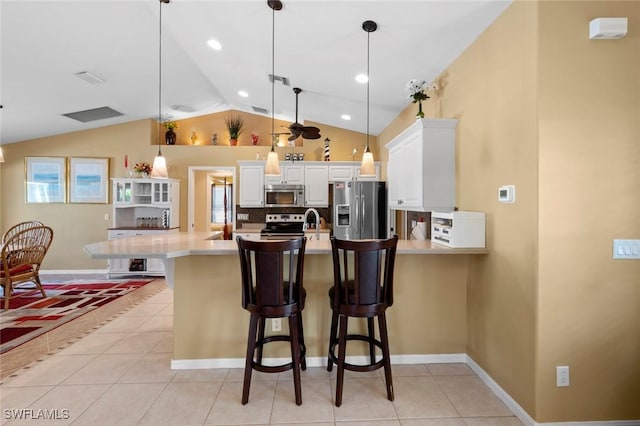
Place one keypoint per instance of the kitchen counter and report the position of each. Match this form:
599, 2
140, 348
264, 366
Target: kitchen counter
209, 325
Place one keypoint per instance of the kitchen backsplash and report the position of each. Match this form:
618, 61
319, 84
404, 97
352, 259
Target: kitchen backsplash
258, 215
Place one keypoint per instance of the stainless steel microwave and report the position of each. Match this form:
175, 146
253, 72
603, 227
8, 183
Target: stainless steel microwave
284, 195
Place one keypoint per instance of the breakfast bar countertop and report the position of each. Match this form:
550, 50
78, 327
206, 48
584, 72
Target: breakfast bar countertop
167, 246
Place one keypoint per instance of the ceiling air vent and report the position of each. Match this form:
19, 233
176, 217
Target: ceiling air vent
260, 110
283, 80
93, 114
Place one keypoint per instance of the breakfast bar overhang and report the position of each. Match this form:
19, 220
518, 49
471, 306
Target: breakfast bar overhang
428, 317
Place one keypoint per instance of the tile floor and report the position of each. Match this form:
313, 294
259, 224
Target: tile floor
119, 375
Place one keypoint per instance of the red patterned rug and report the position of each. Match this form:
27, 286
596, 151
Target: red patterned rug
30, 315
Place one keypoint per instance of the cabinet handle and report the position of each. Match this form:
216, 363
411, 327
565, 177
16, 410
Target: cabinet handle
400, 202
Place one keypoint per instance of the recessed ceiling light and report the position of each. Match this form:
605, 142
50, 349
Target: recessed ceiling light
345, 117
362, 78
214, 44
243, 94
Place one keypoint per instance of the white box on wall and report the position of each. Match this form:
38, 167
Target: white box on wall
607, 28
458, 229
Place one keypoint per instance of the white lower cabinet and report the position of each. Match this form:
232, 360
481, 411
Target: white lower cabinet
137, 266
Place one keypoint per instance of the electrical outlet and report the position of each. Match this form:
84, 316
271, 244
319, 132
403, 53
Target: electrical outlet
276, 324
106, 216
562, 376
243, 216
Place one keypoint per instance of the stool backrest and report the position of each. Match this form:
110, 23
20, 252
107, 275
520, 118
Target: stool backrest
272, 272
20, 227
363, 272
25, 248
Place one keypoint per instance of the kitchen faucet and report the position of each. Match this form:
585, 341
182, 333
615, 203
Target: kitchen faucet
304, 226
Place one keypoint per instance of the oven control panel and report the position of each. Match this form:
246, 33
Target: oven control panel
284, 217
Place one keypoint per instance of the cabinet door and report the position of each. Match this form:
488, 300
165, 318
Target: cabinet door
117, 266
142, 192
339, 173
121, 192
394, 168
316, 188
376, 177
252, 186
293, 174
161, 192
411, 173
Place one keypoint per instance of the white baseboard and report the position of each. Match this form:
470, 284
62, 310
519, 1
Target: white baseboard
72, 271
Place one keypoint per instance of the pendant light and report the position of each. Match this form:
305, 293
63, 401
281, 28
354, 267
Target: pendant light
1, 156
367, 168
272, 166
159, 169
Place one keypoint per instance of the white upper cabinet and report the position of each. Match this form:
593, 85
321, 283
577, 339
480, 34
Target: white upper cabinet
349, 170
290, 174
421, 169
316, 189
252, 184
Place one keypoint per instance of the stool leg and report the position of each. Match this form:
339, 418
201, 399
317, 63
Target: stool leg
384, 339
342, 353
332, 337
303, 351
372, 336
261, 327
251, 347
295, 354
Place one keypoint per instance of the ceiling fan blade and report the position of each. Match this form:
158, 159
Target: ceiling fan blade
311, 136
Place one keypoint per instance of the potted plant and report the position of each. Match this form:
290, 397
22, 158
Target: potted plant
170, 136
234, 126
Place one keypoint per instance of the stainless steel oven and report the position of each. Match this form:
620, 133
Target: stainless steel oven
284, 195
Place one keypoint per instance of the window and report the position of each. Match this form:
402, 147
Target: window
221, 204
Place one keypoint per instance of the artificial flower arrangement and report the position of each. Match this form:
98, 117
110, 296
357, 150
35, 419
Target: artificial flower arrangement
255, 138
142, 168
170, 125
418, 92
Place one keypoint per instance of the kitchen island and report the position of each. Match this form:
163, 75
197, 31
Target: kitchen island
210, 327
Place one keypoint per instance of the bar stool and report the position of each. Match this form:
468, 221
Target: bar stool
363, 288
272, 273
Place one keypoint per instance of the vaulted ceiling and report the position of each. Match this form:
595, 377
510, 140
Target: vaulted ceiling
320, 46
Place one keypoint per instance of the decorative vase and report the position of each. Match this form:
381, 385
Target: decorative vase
420, 114
170, 137
233, 141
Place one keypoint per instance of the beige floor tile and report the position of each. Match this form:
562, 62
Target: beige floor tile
52, 371
94, 343
311, 373
370, 423
237, 374
122, 404
317, 405
182, 404
150, 368
123, 324
494, 421
165, 296
105, 368
363, 399
410, 370
421, 397
145, 309
136, 343
203, 375
228, 409
165, 344
453, 369
471, 397
157, 323
20, 397
67, 403
433, 422
167, 310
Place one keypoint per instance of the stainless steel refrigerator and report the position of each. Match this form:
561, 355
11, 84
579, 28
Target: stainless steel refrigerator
359, 210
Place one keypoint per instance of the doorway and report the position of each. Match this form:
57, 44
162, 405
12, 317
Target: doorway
199, 203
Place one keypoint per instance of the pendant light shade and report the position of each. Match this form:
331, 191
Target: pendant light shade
272, 167
1, 156
367, 168
159, 168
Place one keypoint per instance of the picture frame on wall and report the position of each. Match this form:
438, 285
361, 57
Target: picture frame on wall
88, 180
45, 179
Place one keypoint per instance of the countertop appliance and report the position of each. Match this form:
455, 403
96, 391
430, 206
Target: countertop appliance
359, 210
282, 225
282, 195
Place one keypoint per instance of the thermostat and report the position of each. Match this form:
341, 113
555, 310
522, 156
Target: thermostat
507, 194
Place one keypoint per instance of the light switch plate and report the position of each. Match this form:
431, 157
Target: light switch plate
626, 249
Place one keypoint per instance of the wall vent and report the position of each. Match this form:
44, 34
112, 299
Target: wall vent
283, 80
93, 114
260, 110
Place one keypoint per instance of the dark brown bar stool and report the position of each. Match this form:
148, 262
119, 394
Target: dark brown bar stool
272, 288
363, 288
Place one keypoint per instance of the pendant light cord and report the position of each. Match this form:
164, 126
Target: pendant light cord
160, 79
273, 76
368, 80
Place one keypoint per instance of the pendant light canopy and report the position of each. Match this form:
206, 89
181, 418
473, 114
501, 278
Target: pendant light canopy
367, 168
159, 169
273, 163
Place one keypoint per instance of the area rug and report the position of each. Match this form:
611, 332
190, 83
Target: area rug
30, 315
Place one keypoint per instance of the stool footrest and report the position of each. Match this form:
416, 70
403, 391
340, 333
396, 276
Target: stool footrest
357, 367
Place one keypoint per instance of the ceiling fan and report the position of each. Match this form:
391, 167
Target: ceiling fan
297, 129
